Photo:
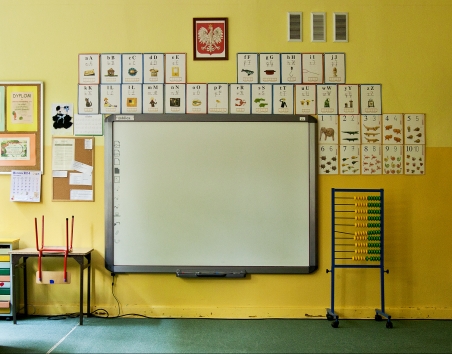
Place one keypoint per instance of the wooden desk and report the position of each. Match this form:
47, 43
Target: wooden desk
79, 254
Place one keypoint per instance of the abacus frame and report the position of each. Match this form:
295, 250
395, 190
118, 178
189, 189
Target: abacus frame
331, 315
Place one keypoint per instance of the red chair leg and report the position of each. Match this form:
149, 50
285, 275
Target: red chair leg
42, 235
39, 266
72, 233
36, 234
37, 247
67, 248
67, 234
65, 267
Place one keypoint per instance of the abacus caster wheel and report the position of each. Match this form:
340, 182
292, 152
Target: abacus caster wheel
335, 324
378, 317
389, 324
329, 317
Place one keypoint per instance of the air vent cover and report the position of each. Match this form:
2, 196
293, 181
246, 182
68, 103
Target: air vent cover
340, 27
318, 32
294, 26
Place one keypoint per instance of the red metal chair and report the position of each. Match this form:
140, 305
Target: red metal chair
53, 249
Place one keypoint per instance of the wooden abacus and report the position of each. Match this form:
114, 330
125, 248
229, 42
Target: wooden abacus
366, 227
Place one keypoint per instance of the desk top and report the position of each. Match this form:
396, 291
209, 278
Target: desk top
76, 251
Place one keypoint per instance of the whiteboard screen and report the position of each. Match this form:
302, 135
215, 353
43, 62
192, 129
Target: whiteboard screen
210, 195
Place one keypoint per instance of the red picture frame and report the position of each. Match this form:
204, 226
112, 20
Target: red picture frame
210, 38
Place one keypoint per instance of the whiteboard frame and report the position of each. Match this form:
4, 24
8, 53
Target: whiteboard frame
109, 128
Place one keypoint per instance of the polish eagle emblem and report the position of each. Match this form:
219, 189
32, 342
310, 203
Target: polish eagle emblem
210, 39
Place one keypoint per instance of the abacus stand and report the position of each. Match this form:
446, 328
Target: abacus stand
331, 315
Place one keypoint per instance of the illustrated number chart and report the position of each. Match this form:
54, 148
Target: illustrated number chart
414, 159
328, 144
350, 159
350, 128
414, 129
357, 238
372, 144
393, 159
371, 159
329, 159
393, 129
371, 129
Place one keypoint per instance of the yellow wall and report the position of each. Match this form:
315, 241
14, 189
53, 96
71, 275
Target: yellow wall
402, 44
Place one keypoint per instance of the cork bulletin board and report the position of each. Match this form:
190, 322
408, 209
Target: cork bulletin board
21, 126
73, 169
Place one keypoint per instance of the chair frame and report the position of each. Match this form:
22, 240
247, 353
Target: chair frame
53, 249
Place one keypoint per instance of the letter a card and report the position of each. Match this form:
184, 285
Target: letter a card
88, 69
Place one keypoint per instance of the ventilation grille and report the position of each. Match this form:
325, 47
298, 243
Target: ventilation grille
318, 32
340, 27
294, 24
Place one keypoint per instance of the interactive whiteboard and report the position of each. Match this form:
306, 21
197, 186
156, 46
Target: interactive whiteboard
210, 195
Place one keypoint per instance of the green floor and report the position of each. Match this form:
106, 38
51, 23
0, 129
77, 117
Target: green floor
134, 335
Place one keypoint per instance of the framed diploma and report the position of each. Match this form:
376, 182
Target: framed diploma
21, 137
